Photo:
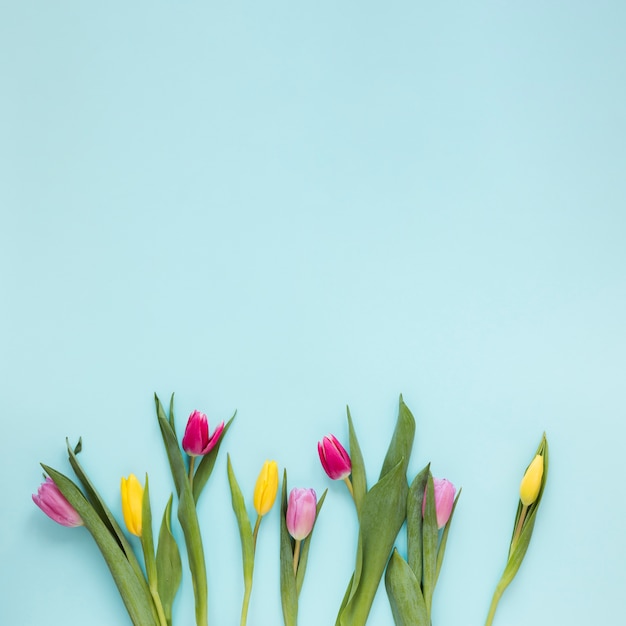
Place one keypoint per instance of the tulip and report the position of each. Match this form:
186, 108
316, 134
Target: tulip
335, 460
301, 512
531, 483
54, 504
266, 488
196, 440
444, 500
132, 502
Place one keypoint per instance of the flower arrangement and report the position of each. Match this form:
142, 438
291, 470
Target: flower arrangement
425, 507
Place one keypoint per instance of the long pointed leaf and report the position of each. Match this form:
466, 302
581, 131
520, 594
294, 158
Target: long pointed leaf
168, 563
135, 595
405, 596
430, 537
359, 478
104, 512
245, 529
288, 591
414, 522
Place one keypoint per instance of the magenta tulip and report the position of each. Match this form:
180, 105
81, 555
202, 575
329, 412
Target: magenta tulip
444, 500
196, 440
335, 460
54, 504
301, 512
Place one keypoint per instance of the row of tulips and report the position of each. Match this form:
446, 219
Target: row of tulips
425, 506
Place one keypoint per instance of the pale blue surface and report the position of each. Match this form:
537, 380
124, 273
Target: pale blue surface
285, 207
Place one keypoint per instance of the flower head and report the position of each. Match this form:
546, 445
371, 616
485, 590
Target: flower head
531, 483
301, 511
132, 503
196, 440
266, 488
335, 460
54, 504
444, 500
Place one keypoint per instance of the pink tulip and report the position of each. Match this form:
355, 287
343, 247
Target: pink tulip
301, 512
335, 460
53, 503
196, 440
444, 500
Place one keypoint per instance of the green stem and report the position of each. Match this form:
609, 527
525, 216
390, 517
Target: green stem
349, 486
246, 602
192, 463
256, 530
296, 556
159, 607
497, 594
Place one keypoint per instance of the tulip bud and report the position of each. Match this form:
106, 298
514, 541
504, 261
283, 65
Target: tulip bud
335, 460
444, 500
196, 440
531, 483
301, 510
266, 488
132, 502
54, 504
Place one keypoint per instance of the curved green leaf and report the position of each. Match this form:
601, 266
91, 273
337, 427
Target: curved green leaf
405, 596
168, 563
134, 592
288, 590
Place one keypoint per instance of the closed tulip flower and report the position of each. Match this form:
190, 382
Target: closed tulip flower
266, 488
335, 460
301, 512
54, 504
132, 502
531, 483
444, 500
196, 440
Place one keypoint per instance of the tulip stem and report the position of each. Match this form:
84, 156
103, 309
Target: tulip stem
255, 532
296, 556
497, 594
349, 486
192, 463
246, 603
159, 606
518, 528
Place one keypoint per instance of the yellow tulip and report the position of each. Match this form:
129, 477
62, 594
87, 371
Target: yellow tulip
266, 487
531, 483
132, 502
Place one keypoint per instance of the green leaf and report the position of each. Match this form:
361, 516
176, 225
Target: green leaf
147, 541
382, 515
358, 477
444, 538
168, 563
288, 590
188, 519
405, 596
306, 543
430, 538
206, 465
134, 592
414, 522
103, 512
401, 441
245, 532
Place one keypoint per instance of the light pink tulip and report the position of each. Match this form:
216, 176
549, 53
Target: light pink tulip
444, 500
196, 440
301, 512
335, 460
54, 504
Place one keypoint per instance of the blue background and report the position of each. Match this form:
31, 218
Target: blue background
282, 208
